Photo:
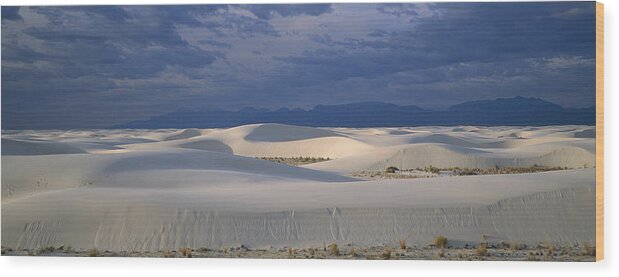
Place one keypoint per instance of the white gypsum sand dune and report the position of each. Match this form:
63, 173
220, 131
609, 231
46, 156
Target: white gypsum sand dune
151, 190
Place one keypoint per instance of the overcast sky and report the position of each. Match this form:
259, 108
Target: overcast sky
93, 67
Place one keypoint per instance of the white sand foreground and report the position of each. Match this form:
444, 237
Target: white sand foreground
153, 190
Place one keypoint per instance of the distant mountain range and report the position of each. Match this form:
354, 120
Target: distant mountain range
503, 111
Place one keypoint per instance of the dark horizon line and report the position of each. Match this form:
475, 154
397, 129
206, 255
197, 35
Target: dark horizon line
291, 108
258, 111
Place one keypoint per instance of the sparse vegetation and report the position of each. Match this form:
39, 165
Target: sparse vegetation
352, 252
589, 250
403, 244
295, 161
386, 254
481, 250
45, 250
94, 253
503, 170
500, 251
513, 246
431, 171
186, 252
440, 242
334, 250
391, 169
532, 257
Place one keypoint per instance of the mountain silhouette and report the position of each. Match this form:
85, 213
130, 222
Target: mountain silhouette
502, 111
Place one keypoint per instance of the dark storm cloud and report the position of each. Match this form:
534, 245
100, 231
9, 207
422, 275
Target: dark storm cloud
97, 66
268, 11
10, 13
494, 32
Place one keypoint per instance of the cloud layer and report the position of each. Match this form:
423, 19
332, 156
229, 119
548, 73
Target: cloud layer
97, 66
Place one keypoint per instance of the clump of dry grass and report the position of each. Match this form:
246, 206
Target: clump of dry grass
551, 249
386, 254
94, 253
440, 242
334, 250
403, 244
45, 250
531, 256
513, 246
431, 169
481, 250
441, 253
352, 252
186, 252
589, 250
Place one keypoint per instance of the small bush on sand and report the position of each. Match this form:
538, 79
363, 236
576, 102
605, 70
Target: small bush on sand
94, 253
403, 244
432, 169
440, 242
386, 254
334, 250
45, 250
186, 252
532, 257
513, 246
589, 250
481, 250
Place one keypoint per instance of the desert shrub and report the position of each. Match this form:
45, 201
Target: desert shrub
513, 246
392, 169
481, 250
334, 250
403, 244
589, 250
94, 252
551, 249
440, 242
186, 252
432, 169
532, 257
45, 250
352, 252
386, 254
290, 252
